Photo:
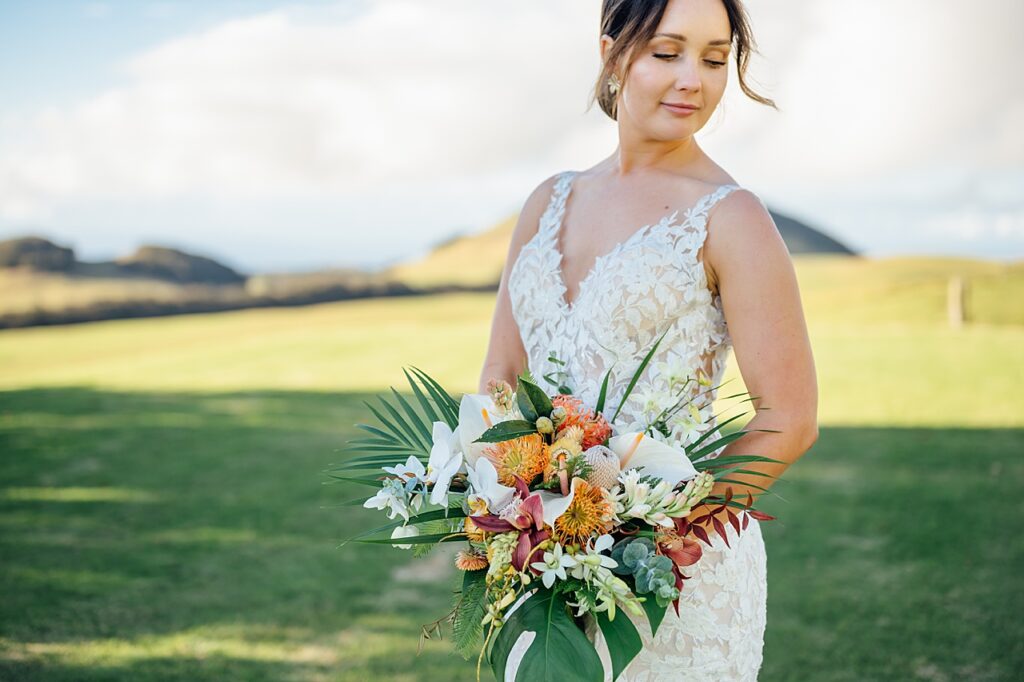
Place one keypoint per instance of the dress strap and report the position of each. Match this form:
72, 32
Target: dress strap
552, 216
707, 202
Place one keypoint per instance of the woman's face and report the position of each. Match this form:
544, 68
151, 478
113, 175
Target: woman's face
688, 67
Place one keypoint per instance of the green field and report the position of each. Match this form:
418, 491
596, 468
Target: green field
164, 516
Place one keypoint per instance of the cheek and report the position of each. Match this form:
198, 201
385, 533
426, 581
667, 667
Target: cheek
645, 77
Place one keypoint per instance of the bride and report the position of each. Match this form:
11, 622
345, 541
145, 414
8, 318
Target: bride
659, 237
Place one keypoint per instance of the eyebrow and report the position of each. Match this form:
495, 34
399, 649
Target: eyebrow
682, 39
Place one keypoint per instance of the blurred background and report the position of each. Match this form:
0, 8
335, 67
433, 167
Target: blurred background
225, 225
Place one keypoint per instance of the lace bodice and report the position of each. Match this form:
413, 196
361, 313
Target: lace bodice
649, 283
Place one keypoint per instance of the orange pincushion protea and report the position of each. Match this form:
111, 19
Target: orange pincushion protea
589, 512
596, 428
525, 456
470, 561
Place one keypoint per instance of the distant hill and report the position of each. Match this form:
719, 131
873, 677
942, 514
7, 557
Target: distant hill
43, 284
478, 259
148, 261
161, 262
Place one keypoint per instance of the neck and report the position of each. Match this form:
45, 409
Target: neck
636, 154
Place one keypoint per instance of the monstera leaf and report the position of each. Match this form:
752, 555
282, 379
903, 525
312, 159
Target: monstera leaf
558, 649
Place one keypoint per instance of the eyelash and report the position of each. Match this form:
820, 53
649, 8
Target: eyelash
712, 63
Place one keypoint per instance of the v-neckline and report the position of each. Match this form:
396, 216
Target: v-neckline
668, 219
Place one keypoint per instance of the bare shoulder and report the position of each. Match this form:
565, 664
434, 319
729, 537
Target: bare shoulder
740, 232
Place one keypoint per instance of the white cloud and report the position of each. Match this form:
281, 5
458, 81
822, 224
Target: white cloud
901, 104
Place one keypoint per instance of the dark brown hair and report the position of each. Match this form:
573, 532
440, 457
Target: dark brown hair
633, 23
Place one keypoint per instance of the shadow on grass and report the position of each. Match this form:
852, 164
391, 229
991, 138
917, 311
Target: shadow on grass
185, 536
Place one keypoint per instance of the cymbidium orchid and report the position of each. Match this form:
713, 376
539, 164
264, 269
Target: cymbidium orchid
531, 514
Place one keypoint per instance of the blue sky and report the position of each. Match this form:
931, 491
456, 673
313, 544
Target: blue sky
286, 136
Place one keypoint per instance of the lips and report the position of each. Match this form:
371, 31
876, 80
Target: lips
680, 106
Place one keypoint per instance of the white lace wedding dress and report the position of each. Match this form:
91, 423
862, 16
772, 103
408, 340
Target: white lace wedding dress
648, 283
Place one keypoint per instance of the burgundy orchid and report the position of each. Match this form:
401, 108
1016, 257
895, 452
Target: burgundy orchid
526, 516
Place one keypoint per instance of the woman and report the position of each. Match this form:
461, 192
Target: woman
583, 282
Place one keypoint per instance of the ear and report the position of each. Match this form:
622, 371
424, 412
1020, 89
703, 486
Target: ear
605, 44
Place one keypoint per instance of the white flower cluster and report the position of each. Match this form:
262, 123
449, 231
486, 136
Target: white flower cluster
657, 505
404, 492
593, 567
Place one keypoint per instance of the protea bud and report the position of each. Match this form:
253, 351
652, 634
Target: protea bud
558, 415
604, 467
545, 425
501, 393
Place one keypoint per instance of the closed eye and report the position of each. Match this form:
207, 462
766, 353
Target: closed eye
710, 62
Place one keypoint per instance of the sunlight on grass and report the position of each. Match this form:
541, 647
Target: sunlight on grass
77, 495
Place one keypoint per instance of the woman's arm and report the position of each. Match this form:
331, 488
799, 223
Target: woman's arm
506, 356
761, 301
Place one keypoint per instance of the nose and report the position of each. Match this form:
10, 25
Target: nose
688, 76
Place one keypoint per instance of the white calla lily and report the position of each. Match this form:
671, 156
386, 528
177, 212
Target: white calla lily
477, 413
445, 461
637, 450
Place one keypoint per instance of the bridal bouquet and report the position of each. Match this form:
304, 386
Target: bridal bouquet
561, 517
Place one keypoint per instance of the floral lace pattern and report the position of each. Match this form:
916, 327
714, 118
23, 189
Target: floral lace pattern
651, 283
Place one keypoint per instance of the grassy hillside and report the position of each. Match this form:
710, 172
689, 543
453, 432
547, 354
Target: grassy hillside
471, 261
162, 515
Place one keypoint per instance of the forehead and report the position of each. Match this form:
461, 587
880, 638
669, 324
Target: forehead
698, 21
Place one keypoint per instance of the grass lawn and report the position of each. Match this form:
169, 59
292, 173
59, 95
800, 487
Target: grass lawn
162, 513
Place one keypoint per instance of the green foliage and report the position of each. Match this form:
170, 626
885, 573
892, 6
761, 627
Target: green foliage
403, 431
651, 572
623, 640
467, 631
436, 527
507, 430
637, 374
545, 613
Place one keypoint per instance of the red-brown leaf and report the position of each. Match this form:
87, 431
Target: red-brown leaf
760, 516
735, 521
746, 521
720, 527
702, 534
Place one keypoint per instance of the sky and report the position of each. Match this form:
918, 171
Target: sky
289, 136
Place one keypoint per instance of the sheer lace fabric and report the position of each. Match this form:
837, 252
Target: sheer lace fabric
651, 283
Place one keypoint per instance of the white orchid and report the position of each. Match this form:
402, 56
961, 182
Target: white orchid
553, 565
675, 370
445, 461
636, 449
411, 470
487, 495
394, 497
404, 532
